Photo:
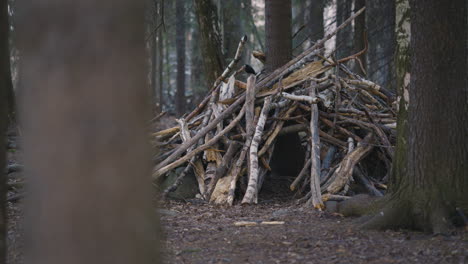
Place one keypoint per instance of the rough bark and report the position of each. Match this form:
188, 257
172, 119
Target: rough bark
249, 120
314, 20
316, 198
180, 47
251, 195
232, 27
380, 20
197, 72
344, 38
250, 24
210, 39
434, 185
159, 71
359, 38
278, 33
403, 75
5, 85
85, 111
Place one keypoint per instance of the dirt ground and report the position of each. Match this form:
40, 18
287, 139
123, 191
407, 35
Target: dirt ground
196, 232
200, 233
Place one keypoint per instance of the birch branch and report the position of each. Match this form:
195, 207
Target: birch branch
251, 195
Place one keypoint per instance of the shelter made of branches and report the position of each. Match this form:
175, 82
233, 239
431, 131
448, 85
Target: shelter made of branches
232, 133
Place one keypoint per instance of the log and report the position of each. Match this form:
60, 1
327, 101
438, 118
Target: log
301, 176
301, 98
344, 172
157, 172
251, 195
249, 105
316, 194
162, 170
275, 132
222, 168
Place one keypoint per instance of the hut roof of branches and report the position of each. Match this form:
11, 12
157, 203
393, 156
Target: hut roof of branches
340, 117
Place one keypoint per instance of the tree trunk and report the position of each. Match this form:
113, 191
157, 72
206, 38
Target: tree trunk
380, 19
359, 37
85, 111
344, 41
278, 33
298, 30
210, 39
5, 79
432, 191
315, 20
250, 24
232, 28
167, 68
154, 61
180, 46
197, 76
403, 75
159, 70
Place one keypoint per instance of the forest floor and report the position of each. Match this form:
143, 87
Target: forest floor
196, 232
201, 233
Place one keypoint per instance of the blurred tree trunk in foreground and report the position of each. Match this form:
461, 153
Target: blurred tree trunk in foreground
84, 113
5, 85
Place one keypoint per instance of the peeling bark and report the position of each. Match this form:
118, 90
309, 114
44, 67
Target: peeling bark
430, 181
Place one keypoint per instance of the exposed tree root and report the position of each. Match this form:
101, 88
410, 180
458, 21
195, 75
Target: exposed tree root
392, 212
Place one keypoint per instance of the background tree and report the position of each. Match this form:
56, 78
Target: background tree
344, 38
180, 45
210, 40
156, 44
278, 33
359, 37
314, 18
403, 75
85, 115
233, 27
380, 19
257, 35
432, 191
159, 86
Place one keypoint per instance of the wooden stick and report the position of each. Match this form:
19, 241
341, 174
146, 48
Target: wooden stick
233, 63
250, 104
301, 58
344, 172
250, 107
293, 129
162, 170
276, 131
181, 149
316, 197
221, 170
300, 98
340, 129
206, 129
251, 195
301, 176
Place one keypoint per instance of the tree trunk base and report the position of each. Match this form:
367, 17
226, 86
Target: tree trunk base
392, 212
